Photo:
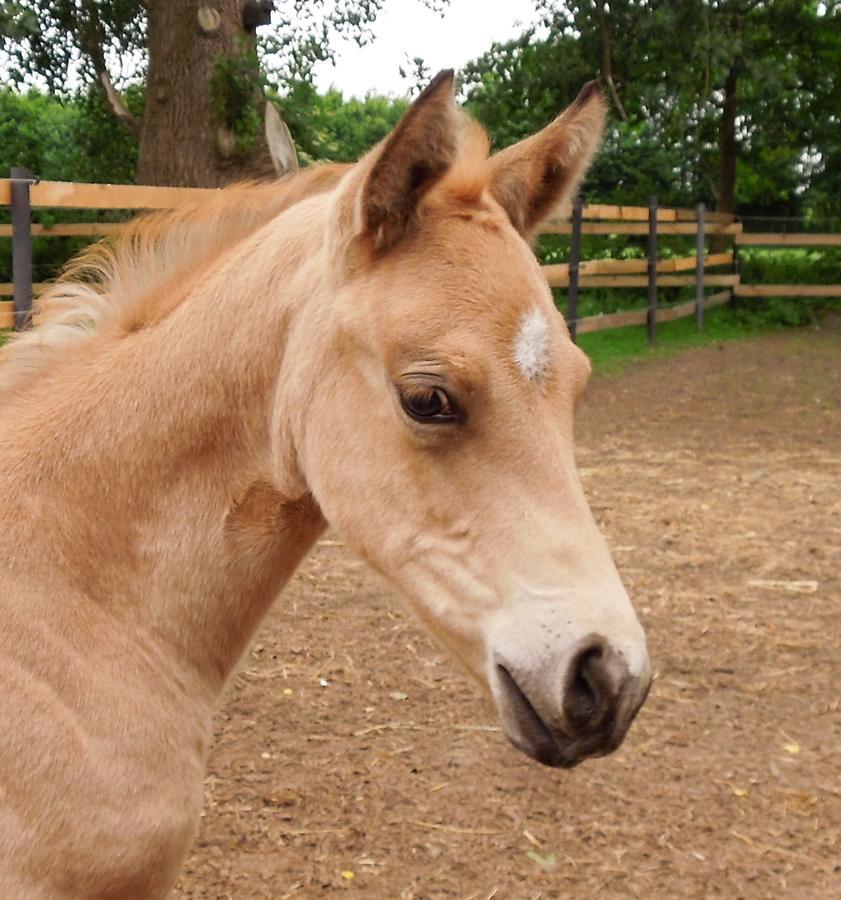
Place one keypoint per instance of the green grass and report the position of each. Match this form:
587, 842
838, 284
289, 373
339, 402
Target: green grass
611, 351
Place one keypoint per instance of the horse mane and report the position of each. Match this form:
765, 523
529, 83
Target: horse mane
107, 285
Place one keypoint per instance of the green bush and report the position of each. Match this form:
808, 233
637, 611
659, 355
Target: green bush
74, 139
787, 265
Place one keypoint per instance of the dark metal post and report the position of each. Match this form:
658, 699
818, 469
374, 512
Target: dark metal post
652, 272
737, 268
699, 269
21, 246
574, 260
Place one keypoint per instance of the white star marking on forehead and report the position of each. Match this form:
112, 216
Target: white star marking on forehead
531, 349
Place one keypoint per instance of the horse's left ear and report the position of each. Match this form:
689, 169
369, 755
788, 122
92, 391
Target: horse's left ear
382, 196
532, 178
409, 162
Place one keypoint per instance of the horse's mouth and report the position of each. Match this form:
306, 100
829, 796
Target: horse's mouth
547, 744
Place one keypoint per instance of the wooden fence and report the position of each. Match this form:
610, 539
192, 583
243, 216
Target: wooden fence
652, 272
22, 192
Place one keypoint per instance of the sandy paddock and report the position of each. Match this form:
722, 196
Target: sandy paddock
351, 756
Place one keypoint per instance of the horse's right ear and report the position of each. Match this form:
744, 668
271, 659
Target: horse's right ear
533, 177
393, 178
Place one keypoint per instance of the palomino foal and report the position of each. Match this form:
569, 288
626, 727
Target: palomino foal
371, 347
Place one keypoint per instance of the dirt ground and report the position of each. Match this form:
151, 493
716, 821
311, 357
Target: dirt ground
352, 756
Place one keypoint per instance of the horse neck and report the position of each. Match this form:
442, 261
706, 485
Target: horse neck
146, 460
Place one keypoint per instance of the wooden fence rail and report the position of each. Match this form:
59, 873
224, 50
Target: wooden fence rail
558, 273
641, 213
789, 239
60, 194
788, 290
641, 281
70, 229
605, 321
22, 192
611, 228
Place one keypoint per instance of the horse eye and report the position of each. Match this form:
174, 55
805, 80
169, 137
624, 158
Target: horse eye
428, 404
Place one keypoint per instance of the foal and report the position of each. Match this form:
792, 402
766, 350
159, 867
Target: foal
371, 347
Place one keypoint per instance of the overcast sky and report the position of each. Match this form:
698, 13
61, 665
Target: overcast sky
406, 28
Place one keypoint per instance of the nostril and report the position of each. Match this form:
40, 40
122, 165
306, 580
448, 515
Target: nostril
586, 700
599, 691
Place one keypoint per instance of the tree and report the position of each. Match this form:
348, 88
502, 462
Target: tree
733, 102
739, 85
328, 126
519, 86
203, 121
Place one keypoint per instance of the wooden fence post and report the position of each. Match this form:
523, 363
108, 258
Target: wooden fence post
21, 246
652, 272
574, 260
699, 269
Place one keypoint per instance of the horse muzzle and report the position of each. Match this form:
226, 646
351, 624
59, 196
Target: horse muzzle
561, 718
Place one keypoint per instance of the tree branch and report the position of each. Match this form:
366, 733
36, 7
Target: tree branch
91, 41
607, 62
117, 104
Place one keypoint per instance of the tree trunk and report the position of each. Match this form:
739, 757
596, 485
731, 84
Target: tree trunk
728, 150
727, 145
203, 117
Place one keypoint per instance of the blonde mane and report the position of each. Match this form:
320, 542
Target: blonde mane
109, 284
